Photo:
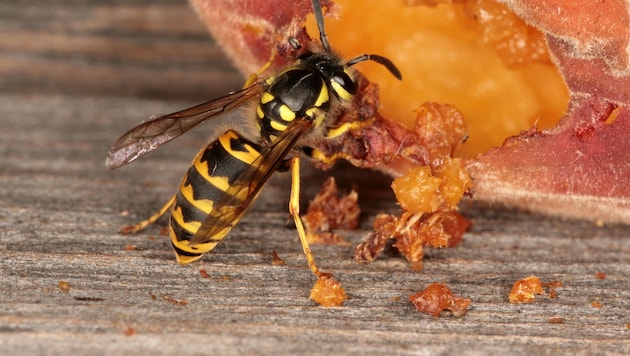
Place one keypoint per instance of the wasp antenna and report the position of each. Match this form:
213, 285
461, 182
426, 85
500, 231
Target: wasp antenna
384, 61
319, 18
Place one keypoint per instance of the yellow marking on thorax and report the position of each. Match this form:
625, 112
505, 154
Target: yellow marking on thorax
277, 126
286, 113
322, 97
266, 97
315, 112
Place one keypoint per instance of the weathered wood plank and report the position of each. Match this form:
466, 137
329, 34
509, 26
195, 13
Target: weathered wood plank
60, 210
143, 48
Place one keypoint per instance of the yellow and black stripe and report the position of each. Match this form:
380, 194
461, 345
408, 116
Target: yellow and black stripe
213, 171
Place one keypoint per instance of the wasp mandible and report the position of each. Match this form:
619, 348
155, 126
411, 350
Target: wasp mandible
292, 109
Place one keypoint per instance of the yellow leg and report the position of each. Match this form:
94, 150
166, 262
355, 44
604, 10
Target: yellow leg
144, 223
254, 76
294, 209
353, 125
336, 132
329, 160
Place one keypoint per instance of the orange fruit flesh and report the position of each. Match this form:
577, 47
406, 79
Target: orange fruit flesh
422, 191
445, 56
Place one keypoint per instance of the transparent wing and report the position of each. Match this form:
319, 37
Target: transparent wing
152, 134
241, 194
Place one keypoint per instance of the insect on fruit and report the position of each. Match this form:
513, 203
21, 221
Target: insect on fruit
292, 109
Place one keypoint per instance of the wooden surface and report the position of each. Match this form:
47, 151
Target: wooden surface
73, 77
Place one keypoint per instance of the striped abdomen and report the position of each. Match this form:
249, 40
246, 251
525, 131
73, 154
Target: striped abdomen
211, 174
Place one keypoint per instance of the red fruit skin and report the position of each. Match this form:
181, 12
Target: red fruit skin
581, 167
578, 169
591, 29
248, 30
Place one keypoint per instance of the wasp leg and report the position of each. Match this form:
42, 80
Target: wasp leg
251, 79
254, 76
334, 132
294, 210
345, 127
327, 160
144, 223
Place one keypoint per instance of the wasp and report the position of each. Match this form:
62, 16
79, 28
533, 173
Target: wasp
292, 110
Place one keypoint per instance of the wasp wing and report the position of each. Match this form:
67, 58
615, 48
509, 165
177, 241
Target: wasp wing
152, 134
237, 199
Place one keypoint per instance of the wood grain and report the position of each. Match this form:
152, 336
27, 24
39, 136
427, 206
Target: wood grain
76, 75
154, 49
